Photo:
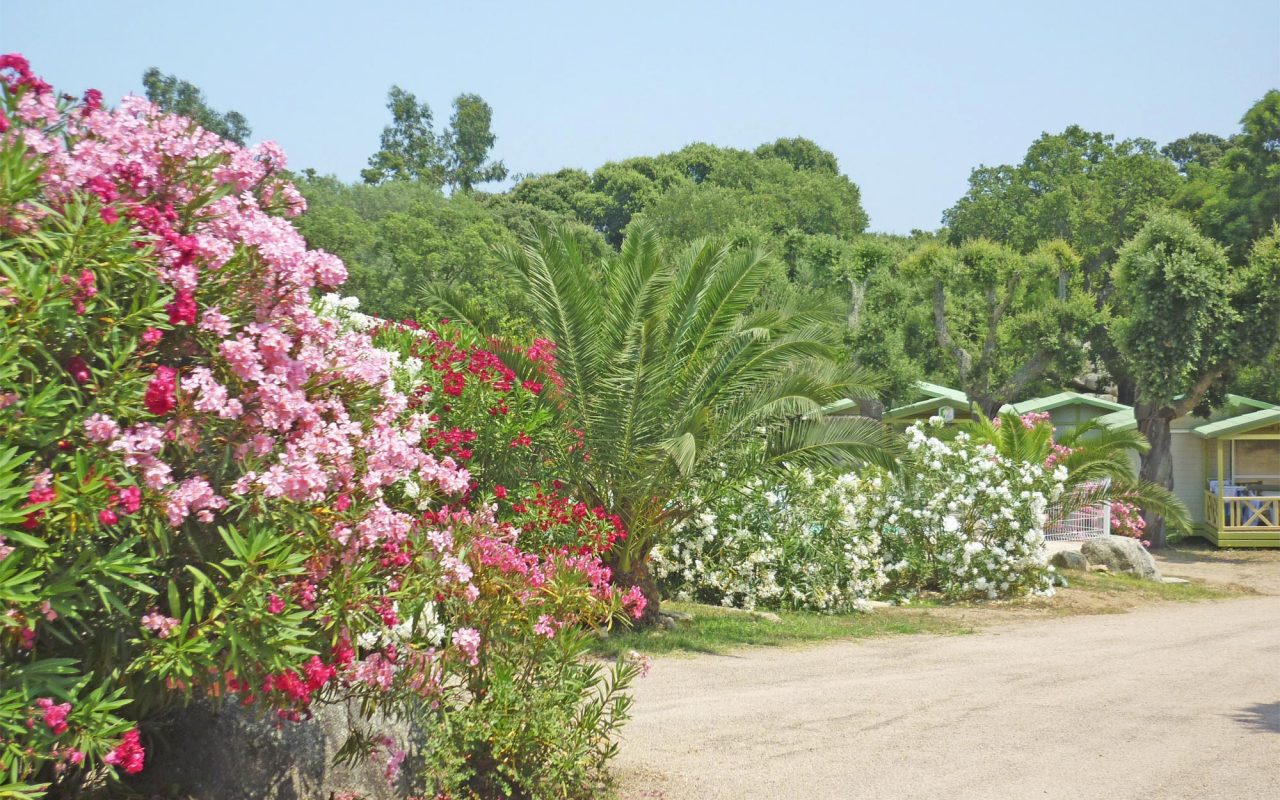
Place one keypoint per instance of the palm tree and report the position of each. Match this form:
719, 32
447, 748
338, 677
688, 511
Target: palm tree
671, 375
1098, 461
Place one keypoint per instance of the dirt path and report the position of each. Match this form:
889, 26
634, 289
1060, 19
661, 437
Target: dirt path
1174, 700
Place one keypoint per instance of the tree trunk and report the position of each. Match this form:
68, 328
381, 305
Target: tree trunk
870, 407
857, 295
1157, 463
638, 574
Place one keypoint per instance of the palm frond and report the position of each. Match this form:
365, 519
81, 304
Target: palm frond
845, 444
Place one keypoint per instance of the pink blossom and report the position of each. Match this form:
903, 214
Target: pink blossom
191, 496
468, 641
55, 716
545, 626
101, 428
151, 337
214, 321
159, 623
128, 755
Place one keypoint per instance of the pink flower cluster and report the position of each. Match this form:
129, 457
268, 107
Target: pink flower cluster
254, 402
1126, 520
128, 755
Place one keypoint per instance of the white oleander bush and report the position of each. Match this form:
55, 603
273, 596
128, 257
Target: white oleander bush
790, 543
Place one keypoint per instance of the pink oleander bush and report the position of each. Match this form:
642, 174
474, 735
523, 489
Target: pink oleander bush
210, 489
1126, 520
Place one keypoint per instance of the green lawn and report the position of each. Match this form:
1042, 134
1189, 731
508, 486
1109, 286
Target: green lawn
717, 630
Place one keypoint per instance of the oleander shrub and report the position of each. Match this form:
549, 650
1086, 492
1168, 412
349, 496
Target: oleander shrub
960, 519
792, 542
211, 485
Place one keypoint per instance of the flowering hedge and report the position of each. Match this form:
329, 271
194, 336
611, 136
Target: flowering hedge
792, 543
210, 489
968, 523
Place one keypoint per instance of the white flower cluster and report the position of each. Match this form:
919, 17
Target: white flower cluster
960, 520
966, 522
343, 311
788, 545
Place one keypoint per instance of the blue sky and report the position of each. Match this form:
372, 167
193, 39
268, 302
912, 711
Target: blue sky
909, 96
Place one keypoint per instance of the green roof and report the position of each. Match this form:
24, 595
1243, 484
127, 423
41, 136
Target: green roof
1061, 399
1265, 414
1224, 428
1122, 420
1241, 400
936, 396
839, 405
944, 392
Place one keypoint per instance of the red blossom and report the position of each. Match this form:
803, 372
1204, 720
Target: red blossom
275, 604
78, 369
162, 391
128, 755
182, 311
130, 498
55, 715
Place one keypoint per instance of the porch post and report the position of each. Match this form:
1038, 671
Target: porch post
1222, 491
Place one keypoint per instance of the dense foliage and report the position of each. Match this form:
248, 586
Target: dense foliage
210, 489
667, 376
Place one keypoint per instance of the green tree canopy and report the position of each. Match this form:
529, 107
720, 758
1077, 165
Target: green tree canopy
468, 141
411, 150
182, 97
1006, 323
1234, 194
1184, 321
704, 190
398, 236
1082, 187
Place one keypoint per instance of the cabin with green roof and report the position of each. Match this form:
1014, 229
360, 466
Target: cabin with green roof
1226, 468
951, 404
1067, 410
933, 400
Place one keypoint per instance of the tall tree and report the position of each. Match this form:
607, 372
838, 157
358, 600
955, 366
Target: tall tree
456, 157
411, 150
1236, 197
1185, 320
669, 378
468, 140
177, 96
1007, 322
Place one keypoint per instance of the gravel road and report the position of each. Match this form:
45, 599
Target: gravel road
1172, 700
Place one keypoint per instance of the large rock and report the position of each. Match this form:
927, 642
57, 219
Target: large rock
1069, 559
229, 753
1121, 554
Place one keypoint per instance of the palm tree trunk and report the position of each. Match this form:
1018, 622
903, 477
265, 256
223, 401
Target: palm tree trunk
635, 572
